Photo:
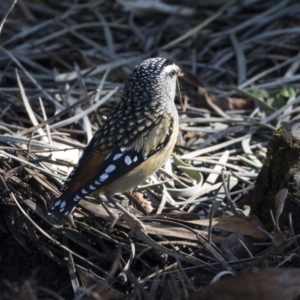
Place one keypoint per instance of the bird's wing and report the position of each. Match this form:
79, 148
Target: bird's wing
97, 168
86, 160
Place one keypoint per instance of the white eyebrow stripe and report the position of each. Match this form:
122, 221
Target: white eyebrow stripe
169, 68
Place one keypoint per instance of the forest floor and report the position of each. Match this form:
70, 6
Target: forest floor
63, 68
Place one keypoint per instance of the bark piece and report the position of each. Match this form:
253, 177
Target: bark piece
281, 169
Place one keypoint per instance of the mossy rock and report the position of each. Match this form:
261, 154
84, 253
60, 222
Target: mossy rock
281, 169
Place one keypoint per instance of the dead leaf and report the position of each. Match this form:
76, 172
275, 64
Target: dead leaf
143, 202
279, 237
230, 103
245, 226
237, 246
152, 228
275, 284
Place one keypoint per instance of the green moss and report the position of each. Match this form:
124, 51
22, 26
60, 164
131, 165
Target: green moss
279, 132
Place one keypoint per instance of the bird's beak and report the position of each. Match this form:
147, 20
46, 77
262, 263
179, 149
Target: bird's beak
180, 73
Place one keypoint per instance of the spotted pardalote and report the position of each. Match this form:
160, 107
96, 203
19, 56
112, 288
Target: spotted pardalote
135, 140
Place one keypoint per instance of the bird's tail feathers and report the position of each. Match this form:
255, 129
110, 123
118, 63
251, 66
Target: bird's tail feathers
65, 204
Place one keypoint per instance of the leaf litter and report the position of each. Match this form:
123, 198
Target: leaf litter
63, 69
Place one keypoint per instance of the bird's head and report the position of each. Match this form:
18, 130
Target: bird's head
153, 82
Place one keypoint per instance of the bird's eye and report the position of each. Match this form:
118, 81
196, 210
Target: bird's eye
173, 73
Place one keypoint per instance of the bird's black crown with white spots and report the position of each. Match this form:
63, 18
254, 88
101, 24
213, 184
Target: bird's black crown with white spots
140, 126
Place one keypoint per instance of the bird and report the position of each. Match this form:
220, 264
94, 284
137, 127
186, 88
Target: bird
135, 140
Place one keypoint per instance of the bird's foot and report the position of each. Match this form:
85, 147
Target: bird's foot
133, 222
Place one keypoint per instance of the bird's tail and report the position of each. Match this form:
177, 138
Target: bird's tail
65, 204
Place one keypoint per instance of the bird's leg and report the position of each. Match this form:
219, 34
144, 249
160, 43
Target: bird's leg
115, 216
130, 219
